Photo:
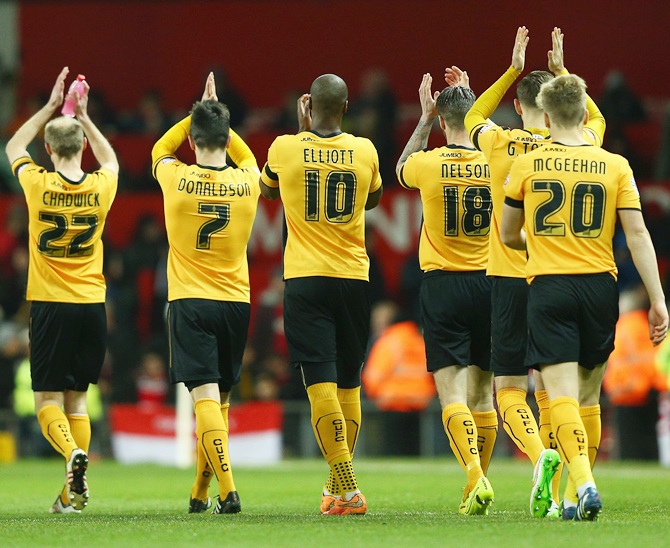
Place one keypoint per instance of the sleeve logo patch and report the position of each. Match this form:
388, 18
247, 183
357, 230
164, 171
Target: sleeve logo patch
634, 185
486, 128
168, 160
18, 171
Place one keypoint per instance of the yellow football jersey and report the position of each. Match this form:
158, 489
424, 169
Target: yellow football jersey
501, 146
324, 182
570, 198
209, 213
66, 221
456, 196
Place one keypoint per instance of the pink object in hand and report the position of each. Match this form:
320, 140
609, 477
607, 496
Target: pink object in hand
68, 104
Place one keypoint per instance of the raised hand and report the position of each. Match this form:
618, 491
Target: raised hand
427, 99
454, 76
304, 113
519, 52
210, 89
555, 56
58, 91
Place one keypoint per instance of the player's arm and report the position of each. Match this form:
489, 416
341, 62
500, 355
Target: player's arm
268, 192
168, 144
488, 101
102, 150
17, 146
419, 139
374, 198
238, 150
511, 228
304, 111
556, 64
596, 123
644, 257
269, 180
240, 153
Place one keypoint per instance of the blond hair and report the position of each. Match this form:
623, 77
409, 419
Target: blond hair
564, 100
65, 136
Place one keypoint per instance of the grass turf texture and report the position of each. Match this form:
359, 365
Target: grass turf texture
411, 502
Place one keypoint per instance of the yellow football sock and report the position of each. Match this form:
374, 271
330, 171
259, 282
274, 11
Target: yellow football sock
328, 421
56, 429
350, 402
487, 433
571, 438
593, 426
203, 471
548, 440
343, 471
462, 433
213, 437
80, 428
519, 422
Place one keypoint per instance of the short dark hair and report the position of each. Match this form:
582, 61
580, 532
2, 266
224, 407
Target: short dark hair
529, 87
210, 125
453, 104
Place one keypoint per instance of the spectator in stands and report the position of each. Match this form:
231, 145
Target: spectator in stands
102, 113
632, 381
373, 115
232, 98
285, 121
662, 172
14, 263
151, 380
396, 380
621, 106
145, 263
150, 117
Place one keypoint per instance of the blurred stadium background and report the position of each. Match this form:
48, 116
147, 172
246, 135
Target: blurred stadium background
146, 63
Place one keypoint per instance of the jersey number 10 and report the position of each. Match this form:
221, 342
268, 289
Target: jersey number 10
340, 196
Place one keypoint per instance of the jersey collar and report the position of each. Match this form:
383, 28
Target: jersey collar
460, 147
70, 181
334, 134
213, 168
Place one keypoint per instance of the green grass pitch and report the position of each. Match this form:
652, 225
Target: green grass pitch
411, 502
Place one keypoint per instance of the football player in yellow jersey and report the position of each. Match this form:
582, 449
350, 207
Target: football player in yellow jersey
209, 212
506, 266
327, 179
569, 195
67, 209
455, 291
